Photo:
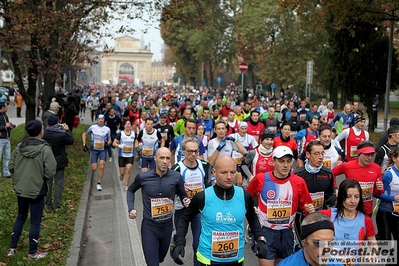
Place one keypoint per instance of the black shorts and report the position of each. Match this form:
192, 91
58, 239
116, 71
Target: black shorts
123, 161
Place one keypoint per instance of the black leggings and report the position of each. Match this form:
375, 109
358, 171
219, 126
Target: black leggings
156, 241
387, 224
93, 115
82, 109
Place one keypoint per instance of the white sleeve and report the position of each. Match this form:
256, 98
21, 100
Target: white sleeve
253, 142
212, 147
343, 135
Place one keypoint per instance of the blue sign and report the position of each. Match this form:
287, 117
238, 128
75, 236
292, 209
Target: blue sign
82, 74
203, 82
273, 86
218, 79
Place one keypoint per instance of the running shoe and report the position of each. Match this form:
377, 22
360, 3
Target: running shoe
110, 160
11, 252
121, 177
126, 188
99, 188
37, 256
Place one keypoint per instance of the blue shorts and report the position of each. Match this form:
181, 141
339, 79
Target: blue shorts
279, 243
147, 163
95, 154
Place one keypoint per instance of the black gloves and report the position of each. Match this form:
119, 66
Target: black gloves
260, 248
175, 251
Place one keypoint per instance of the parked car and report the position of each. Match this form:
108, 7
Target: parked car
4, 94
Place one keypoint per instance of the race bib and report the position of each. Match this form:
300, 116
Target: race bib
367, 190
327, 162
127, 149
161, 209
98, 145
208, 134
302, 117
147, 151
225, 244
274, 129
293, 133
192, 189
278, 212
353, 151
164, 135
317, 200
239, 160
395, 206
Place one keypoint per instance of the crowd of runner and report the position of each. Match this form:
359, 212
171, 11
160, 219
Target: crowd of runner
203, 154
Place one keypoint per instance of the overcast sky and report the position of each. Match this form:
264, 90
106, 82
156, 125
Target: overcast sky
153, 35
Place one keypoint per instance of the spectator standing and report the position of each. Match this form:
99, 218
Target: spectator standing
54, 108
375, 107
11, 95
32, 163
58, 136
5, 133
70, 111
18, 103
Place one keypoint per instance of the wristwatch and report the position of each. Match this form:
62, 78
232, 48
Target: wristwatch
262, 238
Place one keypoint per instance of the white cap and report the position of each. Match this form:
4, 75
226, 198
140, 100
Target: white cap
281, 151
54, 106
242, 124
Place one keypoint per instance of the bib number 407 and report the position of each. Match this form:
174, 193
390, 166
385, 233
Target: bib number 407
279, 213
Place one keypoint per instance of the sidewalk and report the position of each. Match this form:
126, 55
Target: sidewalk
104, 235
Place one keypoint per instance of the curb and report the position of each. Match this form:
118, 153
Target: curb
76, 248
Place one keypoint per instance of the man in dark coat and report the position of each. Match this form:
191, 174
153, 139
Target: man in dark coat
58, 136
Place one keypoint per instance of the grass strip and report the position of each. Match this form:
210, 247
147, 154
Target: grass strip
57, 227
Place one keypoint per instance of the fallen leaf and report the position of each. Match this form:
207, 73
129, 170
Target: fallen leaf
47, 246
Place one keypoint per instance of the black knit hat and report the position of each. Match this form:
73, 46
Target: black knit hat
52, 120
34, 127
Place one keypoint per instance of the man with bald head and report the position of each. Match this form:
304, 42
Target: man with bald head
343, 120
159, 187
222, 208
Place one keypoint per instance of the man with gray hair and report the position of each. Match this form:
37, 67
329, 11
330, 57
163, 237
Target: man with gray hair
195, 177
317, 232
53, 110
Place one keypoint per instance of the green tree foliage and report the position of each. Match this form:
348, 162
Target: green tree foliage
198, 31
271, 42
40, 37
356, 51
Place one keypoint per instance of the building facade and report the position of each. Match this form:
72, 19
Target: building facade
162, 75
130, 62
